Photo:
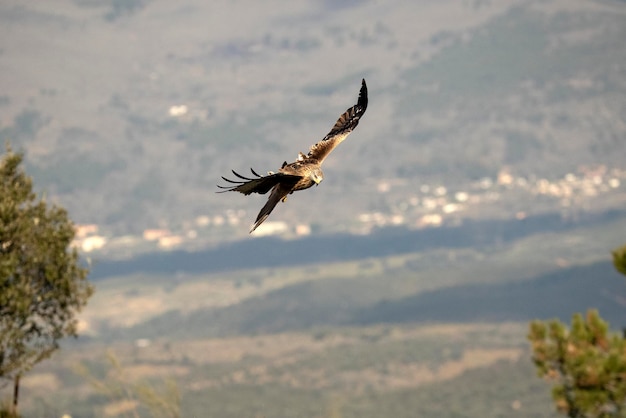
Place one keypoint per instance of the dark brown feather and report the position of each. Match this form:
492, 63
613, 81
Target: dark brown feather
261, 184
278, 193
342, 128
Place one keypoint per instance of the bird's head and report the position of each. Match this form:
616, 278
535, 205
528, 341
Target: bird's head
317, 176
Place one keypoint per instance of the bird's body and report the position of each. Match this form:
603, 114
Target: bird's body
306, 170
309, 170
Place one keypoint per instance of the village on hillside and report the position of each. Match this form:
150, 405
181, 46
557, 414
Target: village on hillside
429, 206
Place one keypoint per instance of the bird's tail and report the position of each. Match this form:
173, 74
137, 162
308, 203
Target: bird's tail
273, 200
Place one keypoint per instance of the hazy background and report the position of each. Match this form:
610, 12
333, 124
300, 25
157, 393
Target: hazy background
484, 187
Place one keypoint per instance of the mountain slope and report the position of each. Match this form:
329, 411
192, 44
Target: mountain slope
458, 90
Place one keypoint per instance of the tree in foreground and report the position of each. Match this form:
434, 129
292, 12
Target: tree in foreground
42, 284
587, 362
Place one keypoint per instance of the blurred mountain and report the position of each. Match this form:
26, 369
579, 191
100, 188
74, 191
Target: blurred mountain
129, 112
335, 303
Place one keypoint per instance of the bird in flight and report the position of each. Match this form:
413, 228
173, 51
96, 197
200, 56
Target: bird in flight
305, 171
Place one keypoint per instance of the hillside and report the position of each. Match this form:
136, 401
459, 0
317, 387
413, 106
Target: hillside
441, 331
130, 111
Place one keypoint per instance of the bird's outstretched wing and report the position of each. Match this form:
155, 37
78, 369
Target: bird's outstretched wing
259, 184
344, 125
278, 194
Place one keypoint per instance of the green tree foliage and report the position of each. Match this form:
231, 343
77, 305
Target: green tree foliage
42, 284
586, 362
619, 259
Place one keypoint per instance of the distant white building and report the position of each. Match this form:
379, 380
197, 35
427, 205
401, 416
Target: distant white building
180, 110
383, 187
461, 196
203, 220
271, 228
430, 220
303, 230
440, 191
92, 243
450, 208
170, 241
83, 230
155, 234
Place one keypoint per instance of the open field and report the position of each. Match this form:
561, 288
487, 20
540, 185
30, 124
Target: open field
147, 296
440, 332
336, 370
